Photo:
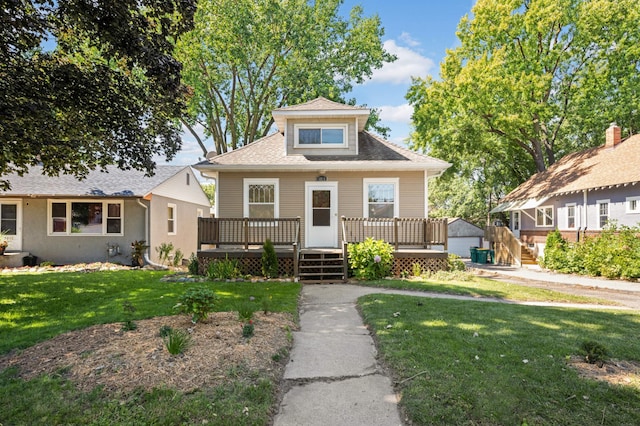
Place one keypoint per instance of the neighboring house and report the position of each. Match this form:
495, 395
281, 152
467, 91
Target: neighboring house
66, 220
320, 166
578, 195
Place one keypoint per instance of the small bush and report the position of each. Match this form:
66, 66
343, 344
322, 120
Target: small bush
370, 259
455, 264
194, 265
248, 329
177, 341
129, 310
416, 269
197, 302
177, 257
594, 352
269, 260
266, 303
223, 269
164, 251
138, 248
165, 330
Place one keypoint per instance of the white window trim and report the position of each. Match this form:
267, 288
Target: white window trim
598, 203
199, 213
628, 205
575, 215
344, 127
173, 207
69, 202
519, 221
544, 225
365, 194
261, 181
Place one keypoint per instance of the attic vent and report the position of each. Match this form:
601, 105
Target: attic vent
188, 179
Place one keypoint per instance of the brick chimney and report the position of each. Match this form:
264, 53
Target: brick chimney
612, 135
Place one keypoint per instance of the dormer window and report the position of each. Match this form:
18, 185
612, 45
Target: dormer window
311, 136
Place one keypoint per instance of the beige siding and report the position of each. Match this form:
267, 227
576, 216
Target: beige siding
350, 192
351, 137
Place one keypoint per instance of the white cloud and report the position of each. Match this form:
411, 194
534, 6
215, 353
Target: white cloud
406, 38
409, 64
396, 114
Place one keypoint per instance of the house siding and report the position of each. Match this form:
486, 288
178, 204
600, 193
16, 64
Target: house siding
185, 237
352, 135
64, 249
350, 192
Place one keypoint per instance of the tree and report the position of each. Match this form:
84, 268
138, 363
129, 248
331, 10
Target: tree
531, 81
109, 92
245, 58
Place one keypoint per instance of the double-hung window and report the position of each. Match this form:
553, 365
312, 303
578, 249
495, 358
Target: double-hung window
516, 220
80, 217
603, 213
261, 198
544, 216
381, 197
320, 136
633, 204
171, 218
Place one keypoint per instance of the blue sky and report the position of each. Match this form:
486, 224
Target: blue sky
418, 32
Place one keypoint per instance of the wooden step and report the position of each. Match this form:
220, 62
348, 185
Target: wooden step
321, 267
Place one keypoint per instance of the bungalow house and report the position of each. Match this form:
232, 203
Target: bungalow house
328, 182
578, 195
65, 220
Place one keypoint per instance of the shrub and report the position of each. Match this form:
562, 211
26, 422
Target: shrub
129, 310
194, 265
197, 302
164, 251
266, 303
138, 248
177, 341
165, 330
594, 352
370, 259
269, 260
177, 257
555, 251
223, 269
247, 329
455, 264
245, 311
416, 269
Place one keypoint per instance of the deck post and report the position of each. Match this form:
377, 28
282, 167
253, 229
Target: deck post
395, 233
246, 233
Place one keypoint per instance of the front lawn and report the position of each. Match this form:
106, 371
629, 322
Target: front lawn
37, 307
462, 362
467, 284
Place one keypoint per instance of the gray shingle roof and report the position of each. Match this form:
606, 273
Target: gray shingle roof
374, 153
114, 182
321, 104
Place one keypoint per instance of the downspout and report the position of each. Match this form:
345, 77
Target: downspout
584, 210
147, 236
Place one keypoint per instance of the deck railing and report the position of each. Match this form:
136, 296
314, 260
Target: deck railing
246, 232
508, 249
410, 232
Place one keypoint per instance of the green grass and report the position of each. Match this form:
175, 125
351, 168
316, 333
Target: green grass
468, 363
466, 284
35, 307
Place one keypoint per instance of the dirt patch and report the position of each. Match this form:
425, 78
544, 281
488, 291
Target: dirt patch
124, 360
615, 372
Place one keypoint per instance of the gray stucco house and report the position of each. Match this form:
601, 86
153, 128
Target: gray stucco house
66, 220
578, 195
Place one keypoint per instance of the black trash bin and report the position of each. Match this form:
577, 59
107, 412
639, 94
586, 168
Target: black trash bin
30, 260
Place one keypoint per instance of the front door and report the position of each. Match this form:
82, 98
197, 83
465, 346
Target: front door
11, 222
321, 214
515, 227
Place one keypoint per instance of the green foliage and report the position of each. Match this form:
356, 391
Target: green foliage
138, 248
266, 303
528, 82
165, 330
248, 329
269, 260
194, 264
197, 302
594, 352
370, 259
245, 310
177, 341
129, 311
164, 252
108, 93
455, 264
249, 48
224, 269
416, 269
615, 253
210, 190
177, 257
